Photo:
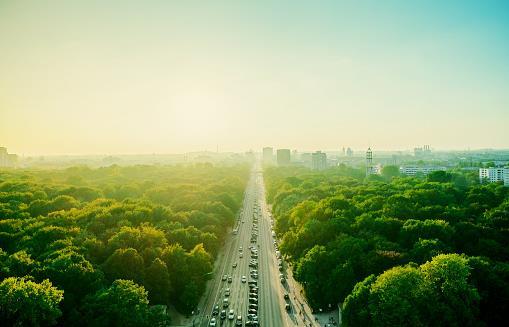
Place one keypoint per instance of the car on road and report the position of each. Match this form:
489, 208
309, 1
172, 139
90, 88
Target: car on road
230, 279
252, 323
253, 283
252, 311
253, 306
243, 279
253, 300
239, 321
252, 317
283, 280
231, 315
227, 292
234, 265
213, 322
240, 248
287, 307
286, 296
215, 311
226, 303
224, 278
241, 255
222, 315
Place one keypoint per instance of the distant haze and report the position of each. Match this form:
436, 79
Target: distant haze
159, 77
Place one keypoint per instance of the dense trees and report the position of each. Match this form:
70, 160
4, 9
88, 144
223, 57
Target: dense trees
124, 303
24, 302
103, 246
438, 292
395, 250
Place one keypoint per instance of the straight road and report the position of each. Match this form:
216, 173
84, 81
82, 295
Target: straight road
271, 304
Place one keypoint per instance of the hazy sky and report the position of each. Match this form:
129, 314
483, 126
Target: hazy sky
165, 76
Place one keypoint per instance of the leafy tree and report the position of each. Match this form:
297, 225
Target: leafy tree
439, 177
388, 172
125, 263
124, 303
24, 302
157, 282
356, 306
455, 299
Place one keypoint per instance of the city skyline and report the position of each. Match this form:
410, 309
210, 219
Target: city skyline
160, 77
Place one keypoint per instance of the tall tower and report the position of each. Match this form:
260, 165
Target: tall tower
369, 162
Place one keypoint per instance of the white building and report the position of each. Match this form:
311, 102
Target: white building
7, 159
374, 170
494, 174
318, 160
415, 170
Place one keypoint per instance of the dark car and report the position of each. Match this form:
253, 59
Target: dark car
286, 296
215, 312
223, 314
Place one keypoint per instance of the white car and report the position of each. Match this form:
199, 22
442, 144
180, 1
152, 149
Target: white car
243, 279
227, 292
231, 315
213, 322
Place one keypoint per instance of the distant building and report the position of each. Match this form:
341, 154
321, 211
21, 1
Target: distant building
494, 174
349, 152
370, 168
295, 156
422, 151
268, 155
283, 157
318, 160
7, 159
417, 170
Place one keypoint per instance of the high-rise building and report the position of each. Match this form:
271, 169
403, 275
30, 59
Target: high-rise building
318, 160
349, 152
283, 157
7, 159
494, 174
268, 155
295, 156
369, 162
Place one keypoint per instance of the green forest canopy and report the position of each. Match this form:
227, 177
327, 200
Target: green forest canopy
395, 251
114, 245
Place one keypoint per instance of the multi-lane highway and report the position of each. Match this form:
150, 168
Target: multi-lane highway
250, 242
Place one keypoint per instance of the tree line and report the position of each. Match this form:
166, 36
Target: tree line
111, 246
394, 250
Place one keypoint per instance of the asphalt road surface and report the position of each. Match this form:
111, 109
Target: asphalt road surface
271, 304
